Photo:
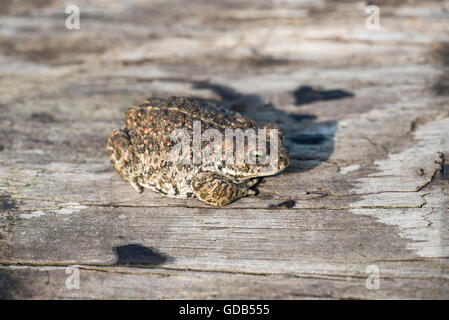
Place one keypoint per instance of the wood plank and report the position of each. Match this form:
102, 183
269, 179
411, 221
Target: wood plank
134, 283
366, 120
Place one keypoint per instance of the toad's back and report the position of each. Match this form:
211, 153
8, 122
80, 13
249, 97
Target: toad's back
179, 112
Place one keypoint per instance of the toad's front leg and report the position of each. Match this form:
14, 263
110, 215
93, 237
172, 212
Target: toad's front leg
217, 190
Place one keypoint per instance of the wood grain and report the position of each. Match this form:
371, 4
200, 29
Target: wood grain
366, 120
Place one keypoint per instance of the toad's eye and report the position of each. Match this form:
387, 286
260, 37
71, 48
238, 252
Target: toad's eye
257, 155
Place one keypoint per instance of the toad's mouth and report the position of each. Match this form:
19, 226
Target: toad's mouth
270, 170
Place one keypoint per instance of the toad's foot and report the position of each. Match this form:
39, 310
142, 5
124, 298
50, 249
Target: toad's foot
217, 190
252, 182
135, 184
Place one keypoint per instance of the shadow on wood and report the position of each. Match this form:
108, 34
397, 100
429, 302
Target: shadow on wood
10, 286
307, 94
136, 254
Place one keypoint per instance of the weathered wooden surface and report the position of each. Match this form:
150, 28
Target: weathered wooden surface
366, 116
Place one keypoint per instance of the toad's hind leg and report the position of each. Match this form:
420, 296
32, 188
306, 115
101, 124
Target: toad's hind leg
120, 154
118, 148
217, 190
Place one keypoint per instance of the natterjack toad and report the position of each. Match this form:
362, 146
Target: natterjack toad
184, 147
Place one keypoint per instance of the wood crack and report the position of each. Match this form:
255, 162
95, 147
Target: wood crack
150, 270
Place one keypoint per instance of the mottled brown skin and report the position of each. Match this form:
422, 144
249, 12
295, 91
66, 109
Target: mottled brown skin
141, 151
